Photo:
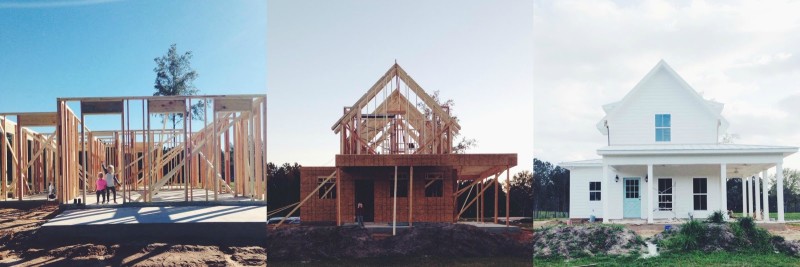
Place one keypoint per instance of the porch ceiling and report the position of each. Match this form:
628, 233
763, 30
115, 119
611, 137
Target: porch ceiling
732, 170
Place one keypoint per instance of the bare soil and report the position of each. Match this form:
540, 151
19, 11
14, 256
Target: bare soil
20, 245
304, 243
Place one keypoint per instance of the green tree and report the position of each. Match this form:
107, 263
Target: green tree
465, 143
791, 191
521, 193
175, 76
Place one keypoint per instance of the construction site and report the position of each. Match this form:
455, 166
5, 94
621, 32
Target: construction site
179, 179
397, 161
194, 183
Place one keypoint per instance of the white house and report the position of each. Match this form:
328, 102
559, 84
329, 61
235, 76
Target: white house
665, 158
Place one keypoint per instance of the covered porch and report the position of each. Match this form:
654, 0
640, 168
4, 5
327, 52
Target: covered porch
674, 182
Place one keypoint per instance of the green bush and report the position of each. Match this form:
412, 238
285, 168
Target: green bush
759, 238
716, 217
691, 236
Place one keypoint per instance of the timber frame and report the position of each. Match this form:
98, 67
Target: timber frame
27, 158
149, 159
397, 132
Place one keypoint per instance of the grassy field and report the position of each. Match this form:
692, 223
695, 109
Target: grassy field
681, 259
414, 261
789, 216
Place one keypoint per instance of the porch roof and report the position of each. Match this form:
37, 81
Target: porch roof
695, 149
581, 163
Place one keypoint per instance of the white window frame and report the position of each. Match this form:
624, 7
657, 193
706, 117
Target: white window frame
600, 197
668, 128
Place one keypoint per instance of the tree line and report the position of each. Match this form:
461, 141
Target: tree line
551, 190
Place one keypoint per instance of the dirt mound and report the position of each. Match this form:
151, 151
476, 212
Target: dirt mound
788, 247
443, 240
740, 236
710, 238
19, 225
453, 240
81, 251
321, 242
586, 240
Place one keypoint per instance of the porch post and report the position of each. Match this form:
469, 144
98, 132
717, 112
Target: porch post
779, 188
394, 206
604, 195
744, 197
757, 199
750, 197
650, 193
765, 195
723, 189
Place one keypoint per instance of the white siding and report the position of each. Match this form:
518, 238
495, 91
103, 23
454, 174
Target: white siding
579, 204
683, 199
634, 122
682, 193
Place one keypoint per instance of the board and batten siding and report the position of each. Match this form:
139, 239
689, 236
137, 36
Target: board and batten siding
634, 123
579, 204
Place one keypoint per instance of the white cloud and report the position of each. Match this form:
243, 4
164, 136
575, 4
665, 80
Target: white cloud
53, 4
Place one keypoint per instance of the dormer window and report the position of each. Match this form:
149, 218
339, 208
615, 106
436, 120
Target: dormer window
663, 128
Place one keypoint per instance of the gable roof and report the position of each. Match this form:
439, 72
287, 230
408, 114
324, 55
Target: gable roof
395, 72
714, 108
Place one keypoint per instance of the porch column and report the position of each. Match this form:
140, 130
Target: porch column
650, 193
750, 197
604, 195
757, 199
765, 195
744, 196
779, 188
723, 189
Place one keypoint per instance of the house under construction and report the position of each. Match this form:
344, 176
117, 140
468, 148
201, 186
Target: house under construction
396, 158
224, 159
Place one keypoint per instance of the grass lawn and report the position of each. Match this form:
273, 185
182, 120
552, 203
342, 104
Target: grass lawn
414, 261
789, 216
681, 259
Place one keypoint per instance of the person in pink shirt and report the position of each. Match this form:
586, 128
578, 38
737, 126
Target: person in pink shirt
101, 187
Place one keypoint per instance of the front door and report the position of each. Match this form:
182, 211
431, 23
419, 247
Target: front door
365, 194
632, 203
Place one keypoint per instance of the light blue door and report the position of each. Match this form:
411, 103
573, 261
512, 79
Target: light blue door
632, 203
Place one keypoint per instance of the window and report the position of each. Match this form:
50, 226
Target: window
402, 187
700, 189
663, 126
434, 185
631, 188
665, 194
328, 190
594, 191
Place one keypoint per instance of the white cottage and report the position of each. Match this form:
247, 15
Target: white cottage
665, 159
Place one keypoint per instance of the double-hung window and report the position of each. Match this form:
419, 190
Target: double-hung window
594, 191
665, 194
700, 190
663, 127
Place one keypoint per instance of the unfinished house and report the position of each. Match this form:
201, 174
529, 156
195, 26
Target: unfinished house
219, 156
396, 158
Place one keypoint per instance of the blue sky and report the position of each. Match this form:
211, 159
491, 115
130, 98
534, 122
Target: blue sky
324, 55
59, 48
310, 57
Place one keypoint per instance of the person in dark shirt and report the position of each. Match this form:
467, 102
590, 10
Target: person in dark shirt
360, 214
